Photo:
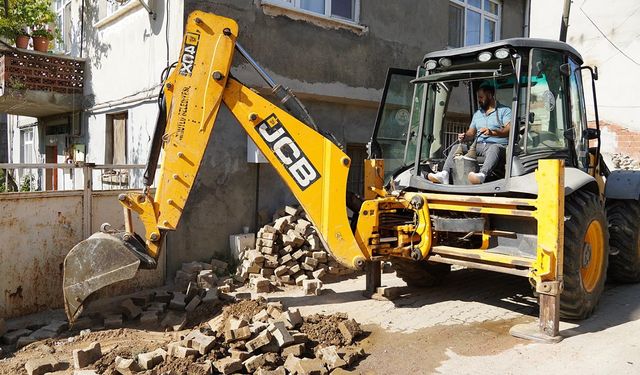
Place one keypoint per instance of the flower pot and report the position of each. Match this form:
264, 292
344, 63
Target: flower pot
22, 41
41, 43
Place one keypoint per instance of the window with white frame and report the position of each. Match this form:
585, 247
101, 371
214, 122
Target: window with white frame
63, 24
473, 22
114, 5
27, 146
347, 10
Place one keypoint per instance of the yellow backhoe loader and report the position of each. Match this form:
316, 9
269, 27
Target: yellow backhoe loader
542, 214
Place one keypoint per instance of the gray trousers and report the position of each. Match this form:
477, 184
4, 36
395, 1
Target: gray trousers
493, 153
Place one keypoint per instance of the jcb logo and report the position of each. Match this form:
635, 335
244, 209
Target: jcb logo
287, 151
189, 55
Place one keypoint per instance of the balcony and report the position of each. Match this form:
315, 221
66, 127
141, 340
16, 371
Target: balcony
39, 84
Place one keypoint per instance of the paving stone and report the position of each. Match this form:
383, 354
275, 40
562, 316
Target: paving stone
299, 337
217, 324
218, 265
300, 279
192, 267
179, 351
174, 320
240, 355
211, 296
261, 316
331, 358
24, 341
308, 366
261, 340
243, 295
319, 274
113, 321
280, 333
192, 290
129, 309
191, 306
12, 336
349, 330
278, 371
201, 342
228, 365
207, 279
291, 364
262, 285
178, 301
296, 350
41, 366
85, 372
253, 363
312, 287
162, 296
84, 357
149, 360
126, 366
149, 317
292, 318
351, 355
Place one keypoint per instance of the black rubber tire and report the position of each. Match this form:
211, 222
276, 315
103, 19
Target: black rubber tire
624, 233
581, 208
420, 274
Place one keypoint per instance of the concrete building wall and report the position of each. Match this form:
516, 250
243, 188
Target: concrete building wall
339, 74
605, 33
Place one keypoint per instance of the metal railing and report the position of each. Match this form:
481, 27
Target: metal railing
44, 177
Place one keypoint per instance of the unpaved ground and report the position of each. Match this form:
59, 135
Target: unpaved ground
459, 327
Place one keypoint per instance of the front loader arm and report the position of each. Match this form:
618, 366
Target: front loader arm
313, 167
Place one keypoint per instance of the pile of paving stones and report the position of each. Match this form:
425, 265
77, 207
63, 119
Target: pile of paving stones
249, 336
288, 252
621, 161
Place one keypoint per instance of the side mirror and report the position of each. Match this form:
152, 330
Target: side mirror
593, 133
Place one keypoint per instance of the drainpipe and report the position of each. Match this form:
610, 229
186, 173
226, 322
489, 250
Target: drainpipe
527, 19
564, 25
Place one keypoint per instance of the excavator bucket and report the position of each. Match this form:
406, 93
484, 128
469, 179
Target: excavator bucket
98, 261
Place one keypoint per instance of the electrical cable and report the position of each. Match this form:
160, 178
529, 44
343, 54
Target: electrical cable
607, 38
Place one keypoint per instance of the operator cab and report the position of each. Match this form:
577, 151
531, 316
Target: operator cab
423, 111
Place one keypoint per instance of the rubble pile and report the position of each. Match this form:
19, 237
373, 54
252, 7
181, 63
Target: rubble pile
248, 336
621, 161
288, 252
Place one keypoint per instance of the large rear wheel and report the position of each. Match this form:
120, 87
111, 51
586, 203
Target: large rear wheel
624, 229
586, 250
420, 273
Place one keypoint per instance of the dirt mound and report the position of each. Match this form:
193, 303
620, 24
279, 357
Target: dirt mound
246, 308
180, 366
324, 329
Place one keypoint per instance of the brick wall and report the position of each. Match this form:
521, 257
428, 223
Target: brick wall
618, 139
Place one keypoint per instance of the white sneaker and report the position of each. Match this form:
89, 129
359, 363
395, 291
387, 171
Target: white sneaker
441, 177
476, 178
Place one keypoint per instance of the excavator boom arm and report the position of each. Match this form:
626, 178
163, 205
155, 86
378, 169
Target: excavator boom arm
312, 166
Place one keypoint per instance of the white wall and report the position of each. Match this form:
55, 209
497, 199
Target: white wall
617, 21
127, 55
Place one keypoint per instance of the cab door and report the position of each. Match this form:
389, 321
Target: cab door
391, 132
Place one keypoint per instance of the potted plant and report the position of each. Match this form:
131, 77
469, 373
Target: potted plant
10, 29
41, 39
37, 15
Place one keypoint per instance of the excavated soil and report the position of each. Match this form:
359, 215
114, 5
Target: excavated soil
323, 329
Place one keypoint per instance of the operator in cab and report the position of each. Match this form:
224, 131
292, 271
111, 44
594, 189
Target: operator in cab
492, 123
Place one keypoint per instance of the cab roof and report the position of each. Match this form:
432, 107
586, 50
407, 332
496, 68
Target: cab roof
512, 42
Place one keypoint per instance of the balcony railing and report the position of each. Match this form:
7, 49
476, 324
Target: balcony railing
40, 84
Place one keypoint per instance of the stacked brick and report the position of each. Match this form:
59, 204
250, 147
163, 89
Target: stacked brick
288, 252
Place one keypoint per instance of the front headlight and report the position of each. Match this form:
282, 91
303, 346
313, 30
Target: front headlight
484, 56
